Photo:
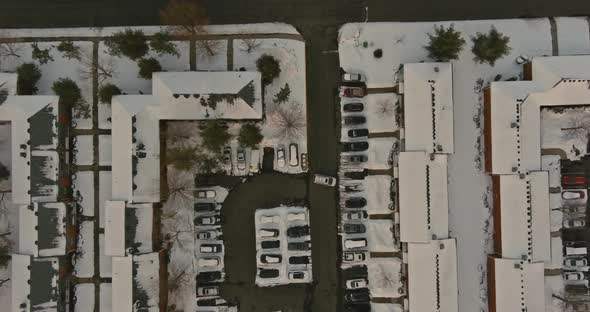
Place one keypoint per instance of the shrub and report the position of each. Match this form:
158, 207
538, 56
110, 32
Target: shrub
69, 50
490, 47
28, 76
70, 95
214, 135
131, 43
147, 66
162, 45
182, 158
5, 255
4, 172
445, 44
107, 91
378, 53
268, 67
41, 55
250, 135
283, 95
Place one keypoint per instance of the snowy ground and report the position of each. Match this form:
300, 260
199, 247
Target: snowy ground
84, 184
105, 191
550, 163
104, 150
84, 150
84, 298
380, 236
385, 277
554, 285
84, 264
8, 213
386, 307
379, 153
573, 143
403, 43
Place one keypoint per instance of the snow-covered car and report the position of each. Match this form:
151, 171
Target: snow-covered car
255, 161
575, 262
208, 220
571, 195
352, 77
573, 276
211, 248
576, 251
574, 223
227, 158
324, 180
281, 156
351, 188
207, 291
304, 161
352, 257
297, 275
575, 209
270, 259
210, 234
205, 194
357, 215
293, 155
357, 92
355, 243
356, 283
241, 158
270, 219
268, 233
208, 262
296, 216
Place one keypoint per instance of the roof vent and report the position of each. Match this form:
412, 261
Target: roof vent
436, 69
513, 124
517, 266
441, 246
522, 176
514, 169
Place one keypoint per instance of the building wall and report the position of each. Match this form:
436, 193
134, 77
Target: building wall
491, 285
487, 129
497, 214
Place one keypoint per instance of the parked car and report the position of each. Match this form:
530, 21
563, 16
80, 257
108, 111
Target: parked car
352, 77
300, 246
297, 275
209, 234
255, 161
574, 223
358, 158
356, 283
576, 251
293, 155
573, 276
212, 302
571, 195
358, 133
351, 188
357, 297
208, 277
281, 156
207, 262
211, 248
355, 202
575, 262
354, 120
268, 273
357, 215
270, 219
574, 180
574, 209
207, 291
300, 216
205, 207
354, 256
268, 233
352, 92
354, 228
270, 244
208, 220
298, 231
355, 243
299, 260
205, 194
241, 158
227, 158
353, 107
324, 180
356, 146
271, 259
304, 165
356, 175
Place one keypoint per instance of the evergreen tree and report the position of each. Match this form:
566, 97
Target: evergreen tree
445, 44
490, 47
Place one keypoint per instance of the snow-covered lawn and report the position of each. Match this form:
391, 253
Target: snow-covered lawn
106, 297
386, 307
84, 264
377, 192
84, 298
106, 262
550, 163
569, 35
554, 285
104, 115
379, 153
104, 190
84, 150
84, 184
573, 142
556, 254
215, 58
380, 109
380, 236
385, 277
104, 150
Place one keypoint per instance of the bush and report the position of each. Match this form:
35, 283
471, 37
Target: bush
107, 91
250, 135
445, 44
28, 76
490, 47
214, 135
182, 158
4, 172
41, 55
69, 50
268, 67
283, 95
147, 66
162, 45
131, 43
5, 255
378, 53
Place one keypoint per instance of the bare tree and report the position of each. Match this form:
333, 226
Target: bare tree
180, 185
564, 304
103, 67
184, 17
288, 120
179, 132
179, 232
9, 49
385, 108
3, 281
208, 48
578, 127
249, 44
179, 276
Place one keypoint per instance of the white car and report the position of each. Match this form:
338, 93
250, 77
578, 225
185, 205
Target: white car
241, 158
352, 256
351, 77
297, 275
571, 195
255, 161
574, 223
207, 291
270, 219
357, 215
324, 180
211, 234
575, 262
356, 283
205, 194
296, 216
281, 156
209, 262
293, 155
355, 243
573, 276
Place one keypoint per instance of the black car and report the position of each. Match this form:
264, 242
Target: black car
299, 246
270, 244
356, 146
353, 107
355, 202
298, 231
358, 158
299, 260
268, 273
354, 228
205, 207
358, 133
208, 277
356, 175
354, 120
357, 296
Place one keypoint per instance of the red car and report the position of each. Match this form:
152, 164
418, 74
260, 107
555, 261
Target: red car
573, 180
353, 92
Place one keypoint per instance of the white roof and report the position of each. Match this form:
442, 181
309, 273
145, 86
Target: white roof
432, 276
549, 70
428, 107
8, 82
114, 230
519, 285
144, 269
515, 223
20, 282
40, 273
423, 196
122, 284
30, 232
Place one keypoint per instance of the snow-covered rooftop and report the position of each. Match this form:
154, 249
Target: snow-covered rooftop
524, 216
42, 229
136, 283
34, 283
428, 107
423, 197
432, 276
549, 70
518, 285
128, 228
